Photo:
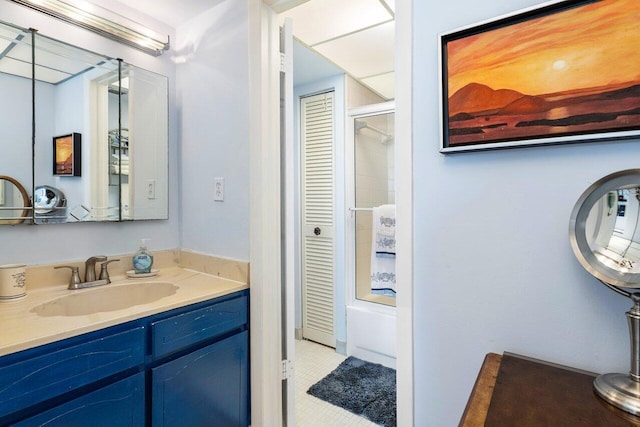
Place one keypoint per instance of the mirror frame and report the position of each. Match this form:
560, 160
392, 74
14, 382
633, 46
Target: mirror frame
577, 228
25, 197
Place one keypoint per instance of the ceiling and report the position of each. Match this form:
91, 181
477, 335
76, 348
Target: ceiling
56, 62
355, 35
172, 12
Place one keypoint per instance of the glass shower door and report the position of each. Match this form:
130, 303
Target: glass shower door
374, 212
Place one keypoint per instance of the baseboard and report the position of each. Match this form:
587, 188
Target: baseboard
341, 347
298, 333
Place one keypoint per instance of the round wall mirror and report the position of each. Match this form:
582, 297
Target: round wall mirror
14, 201
604, 231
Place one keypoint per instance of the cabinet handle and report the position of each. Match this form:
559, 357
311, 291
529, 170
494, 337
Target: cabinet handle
317, 231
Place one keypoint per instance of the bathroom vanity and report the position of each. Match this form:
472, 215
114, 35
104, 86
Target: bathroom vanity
180, 360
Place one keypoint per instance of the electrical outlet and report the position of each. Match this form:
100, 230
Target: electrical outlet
151, 189
218, 195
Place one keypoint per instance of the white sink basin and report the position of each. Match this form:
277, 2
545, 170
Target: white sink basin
106, 298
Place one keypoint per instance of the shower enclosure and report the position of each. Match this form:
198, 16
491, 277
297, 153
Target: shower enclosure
370, 191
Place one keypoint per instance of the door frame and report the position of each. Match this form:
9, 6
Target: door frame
265, 289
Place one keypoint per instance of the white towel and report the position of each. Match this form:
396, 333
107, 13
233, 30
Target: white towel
384, 229
383, 250
116, 170
115, 159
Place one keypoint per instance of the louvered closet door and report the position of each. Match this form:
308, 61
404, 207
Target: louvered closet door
317, 218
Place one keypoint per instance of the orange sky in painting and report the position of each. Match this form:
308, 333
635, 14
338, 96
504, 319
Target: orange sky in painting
63, 149
590, 46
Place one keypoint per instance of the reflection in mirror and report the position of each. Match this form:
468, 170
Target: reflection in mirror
119, 111
15, 122
143, 150
68, 85
604, 230
612, 229
49, 205
14, 201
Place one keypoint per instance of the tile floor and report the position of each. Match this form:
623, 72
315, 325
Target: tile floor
314, 362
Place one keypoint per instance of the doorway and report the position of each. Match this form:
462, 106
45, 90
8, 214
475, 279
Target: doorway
403, 198
322, 301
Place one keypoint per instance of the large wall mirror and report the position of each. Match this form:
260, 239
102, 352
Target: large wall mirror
86, 135
15, 124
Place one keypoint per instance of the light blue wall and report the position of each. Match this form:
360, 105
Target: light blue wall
15, 131
61, 242
213, 98
494, 271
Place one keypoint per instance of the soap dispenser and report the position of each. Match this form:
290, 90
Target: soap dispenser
142, 260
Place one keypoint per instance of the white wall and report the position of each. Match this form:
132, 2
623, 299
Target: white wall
494, 270
59, 242
213, 97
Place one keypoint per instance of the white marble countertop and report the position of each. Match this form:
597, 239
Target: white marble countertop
23, 328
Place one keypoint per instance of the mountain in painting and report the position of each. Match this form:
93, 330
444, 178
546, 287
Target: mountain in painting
525, 105
476, 97
478, 113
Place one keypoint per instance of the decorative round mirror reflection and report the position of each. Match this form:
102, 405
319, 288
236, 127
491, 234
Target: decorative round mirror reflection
47, 199
49, 204
604, 233
14, 201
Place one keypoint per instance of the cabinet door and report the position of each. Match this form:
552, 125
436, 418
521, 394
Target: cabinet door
119, 404
65, 367
208, 387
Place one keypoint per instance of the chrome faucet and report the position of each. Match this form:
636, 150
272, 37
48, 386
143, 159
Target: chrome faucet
89, 273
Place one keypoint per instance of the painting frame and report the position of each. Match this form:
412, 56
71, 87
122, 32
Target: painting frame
67, 155
469, 125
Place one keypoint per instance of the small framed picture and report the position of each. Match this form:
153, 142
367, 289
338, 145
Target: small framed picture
67, 155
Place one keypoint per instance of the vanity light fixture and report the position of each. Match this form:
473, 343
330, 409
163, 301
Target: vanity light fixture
102, 21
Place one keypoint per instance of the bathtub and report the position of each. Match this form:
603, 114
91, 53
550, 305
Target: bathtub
371, 333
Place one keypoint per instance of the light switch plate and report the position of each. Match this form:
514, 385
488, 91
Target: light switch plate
151, 189
218, 195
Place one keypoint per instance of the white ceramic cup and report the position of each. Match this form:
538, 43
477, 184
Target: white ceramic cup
13, 282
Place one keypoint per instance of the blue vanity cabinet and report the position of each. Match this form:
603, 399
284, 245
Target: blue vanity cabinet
186, 367
202, 377
207, 388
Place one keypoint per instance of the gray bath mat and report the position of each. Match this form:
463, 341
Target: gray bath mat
364, 388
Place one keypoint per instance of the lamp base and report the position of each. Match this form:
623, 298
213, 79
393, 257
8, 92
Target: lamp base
620, 391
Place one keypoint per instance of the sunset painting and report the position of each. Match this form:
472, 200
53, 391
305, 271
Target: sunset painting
64, 155
67, 155
563, 75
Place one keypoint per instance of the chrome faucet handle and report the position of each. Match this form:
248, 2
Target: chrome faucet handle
104, 273
90, 267
74, 281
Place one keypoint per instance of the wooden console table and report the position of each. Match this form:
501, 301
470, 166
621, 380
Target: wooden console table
514, 390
